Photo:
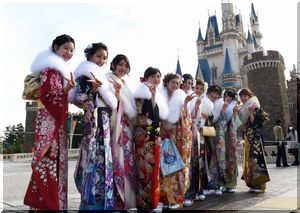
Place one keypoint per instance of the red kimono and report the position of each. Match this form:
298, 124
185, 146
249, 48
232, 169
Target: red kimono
48, 183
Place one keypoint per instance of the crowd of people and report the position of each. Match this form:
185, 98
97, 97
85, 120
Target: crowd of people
121, 153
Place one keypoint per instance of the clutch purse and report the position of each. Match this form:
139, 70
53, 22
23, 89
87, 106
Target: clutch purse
208, 131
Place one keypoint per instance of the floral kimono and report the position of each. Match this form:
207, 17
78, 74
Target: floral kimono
94, 170
225, 145
123, 148
195, 150
255, 172
48, 184
147, 147
177, 127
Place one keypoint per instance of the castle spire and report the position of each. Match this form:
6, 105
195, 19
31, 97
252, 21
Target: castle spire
253, 13
249, 38
227, 66
200, 38
199, 74
178, 68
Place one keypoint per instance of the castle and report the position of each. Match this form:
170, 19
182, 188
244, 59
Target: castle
233, 59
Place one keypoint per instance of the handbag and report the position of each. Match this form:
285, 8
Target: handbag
170, 159
32, 87
208, 131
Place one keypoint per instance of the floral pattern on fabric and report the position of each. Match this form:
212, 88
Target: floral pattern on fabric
94, 169
175, 185
255, 171
48, 185
147, 149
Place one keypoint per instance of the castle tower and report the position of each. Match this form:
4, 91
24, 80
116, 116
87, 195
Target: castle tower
200, 44
232, 37
254, 23
250, 44
29, 138
266, 79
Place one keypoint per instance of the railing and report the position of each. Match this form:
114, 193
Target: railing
73, 154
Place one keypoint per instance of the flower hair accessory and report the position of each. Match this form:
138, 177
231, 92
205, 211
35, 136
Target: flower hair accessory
142, 79
89, 46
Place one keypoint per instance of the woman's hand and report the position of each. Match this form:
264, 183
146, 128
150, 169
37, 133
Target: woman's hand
71, 84
95, 82
117, 86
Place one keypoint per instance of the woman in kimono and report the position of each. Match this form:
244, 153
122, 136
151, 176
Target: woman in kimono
122, 143
176, 127
255, 172
94, 170
151, 108
225, 140
194, 106
48, 184
207, 176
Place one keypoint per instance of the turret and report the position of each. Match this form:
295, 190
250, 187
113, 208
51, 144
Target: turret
250, 43
254, 23
200, 43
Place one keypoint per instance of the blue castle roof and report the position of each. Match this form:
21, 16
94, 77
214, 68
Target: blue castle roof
200, 38
227, 66
212, 20
249, 38
204, 68
253, 12
199, 72
178, 68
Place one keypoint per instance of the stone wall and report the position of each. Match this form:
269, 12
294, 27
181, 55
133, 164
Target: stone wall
30, 125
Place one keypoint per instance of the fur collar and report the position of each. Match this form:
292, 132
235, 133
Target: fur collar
86, 68
143, 92
244, 111
126, 96
175, 104
218, 104
48, 59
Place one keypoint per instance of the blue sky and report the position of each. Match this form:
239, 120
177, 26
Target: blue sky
148, 32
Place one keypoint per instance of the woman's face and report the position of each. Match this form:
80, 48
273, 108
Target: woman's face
244, 98
121, 69
154, 79
99, 57
173, 84
187, 85
227, 99
65, 50
213, 96
199, 89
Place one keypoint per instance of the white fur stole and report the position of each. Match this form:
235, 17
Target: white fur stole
143, 92
126, 96
175, 104
48, 59
86, 68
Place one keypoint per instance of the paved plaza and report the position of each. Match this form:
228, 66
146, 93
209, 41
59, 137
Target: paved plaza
281, 191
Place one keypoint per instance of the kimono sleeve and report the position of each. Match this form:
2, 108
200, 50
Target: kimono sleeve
83, 91
53, 96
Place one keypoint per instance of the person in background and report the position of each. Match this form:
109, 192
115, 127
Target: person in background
48, 185
292, 143
151, 109
122, 120
280, 143
255, 171
93, 174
